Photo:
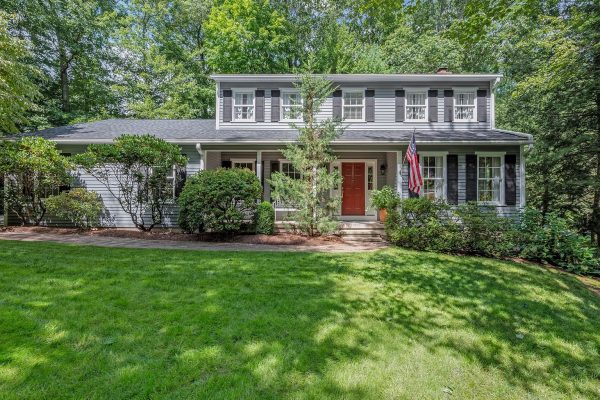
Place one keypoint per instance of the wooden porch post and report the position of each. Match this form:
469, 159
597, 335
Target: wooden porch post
202, 164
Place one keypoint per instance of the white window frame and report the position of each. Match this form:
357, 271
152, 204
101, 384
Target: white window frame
244, 161
251, 91
464, 90
353, 90
281, 163
282, 105
502, 184
406, 105
444, 155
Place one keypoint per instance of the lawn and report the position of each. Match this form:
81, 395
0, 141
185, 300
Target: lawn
90, 322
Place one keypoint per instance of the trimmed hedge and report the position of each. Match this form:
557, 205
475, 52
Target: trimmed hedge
265, 219
80, 206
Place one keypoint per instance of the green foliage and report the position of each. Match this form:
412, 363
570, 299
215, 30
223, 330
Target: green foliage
265, 219
134, 170
245, 36
80, 206
385, 199
17, 90
311, 156
219, 200
33, 169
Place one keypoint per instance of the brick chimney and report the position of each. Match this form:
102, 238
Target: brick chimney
443, 71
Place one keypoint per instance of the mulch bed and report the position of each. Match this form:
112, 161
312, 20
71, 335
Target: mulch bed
277, 239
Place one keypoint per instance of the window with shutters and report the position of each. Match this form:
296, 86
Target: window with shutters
353, 105
288, 169
176, 179
416, 105
291, 106
464, 105
433, 169
243, 163
243, 105
490, 175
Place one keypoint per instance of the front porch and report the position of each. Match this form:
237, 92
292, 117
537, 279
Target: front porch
363, 171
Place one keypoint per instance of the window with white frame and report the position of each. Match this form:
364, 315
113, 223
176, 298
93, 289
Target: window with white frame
291, 106
464, 105
353, 105
176, 179
416, 106
243, 105
489, 179
288, 169
243, 163
433, 176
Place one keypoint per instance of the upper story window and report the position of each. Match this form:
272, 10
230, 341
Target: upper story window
243, 105
416, 106
464, 105
433, 176
489, 179
354, 105
291, 105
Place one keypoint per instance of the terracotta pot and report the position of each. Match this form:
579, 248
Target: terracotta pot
382, 215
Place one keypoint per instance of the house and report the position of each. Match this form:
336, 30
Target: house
463, 156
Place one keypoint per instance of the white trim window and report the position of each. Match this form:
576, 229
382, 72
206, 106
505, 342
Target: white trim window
433, 169
243, 105
353, 105
464, 105
288, 169
242, 163
176, 178
490, 176
416, 106
291, 105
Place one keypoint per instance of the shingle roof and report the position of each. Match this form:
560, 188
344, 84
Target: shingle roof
204, 130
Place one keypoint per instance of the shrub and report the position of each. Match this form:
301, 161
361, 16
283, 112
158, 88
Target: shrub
80, 206
549, 238
385, 199
219, 200
265, 218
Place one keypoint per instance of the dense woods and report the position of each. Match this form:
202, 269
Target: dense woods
66, 61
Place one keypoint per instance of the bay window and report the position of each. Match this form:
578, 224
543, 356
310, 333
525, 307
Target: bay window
291, 106
464, 105
243, 105
353, 105
489, 179
416, 106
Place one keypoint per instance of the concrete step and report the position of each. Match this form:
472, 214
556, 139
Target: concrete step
368, 231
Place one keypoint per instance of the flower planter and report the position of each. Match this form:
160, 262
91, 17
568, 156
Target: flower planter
382, 215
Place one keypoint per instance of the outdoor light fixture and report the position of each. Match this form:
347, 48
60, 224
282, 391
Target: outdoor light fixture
382, 169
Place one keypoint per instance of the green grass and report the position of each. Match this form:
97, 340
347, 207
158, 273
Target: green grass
88, 322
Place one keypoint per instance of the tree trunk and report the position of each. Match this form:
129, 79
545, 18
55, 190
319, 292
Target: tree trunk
64, 87
595, 222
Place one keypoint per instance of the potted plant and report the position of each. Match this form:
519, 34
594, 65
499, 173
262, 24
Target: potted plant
385, 199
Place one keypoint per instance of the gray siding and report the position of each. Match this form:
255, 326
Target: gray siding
384, 106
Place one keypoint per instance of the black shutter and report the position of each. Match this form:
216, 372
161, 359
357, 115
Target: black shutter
400, 94
259, 101
337, 104
452, 174
180, 177
225, 163
275, 99
433, 105
471, 177
274, 167
510, 176
370, 105
482, 105
227, 105
412, 194
448, 105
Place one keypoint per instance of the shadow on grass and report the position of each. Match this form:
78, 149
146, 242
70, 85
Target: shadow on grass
86, 322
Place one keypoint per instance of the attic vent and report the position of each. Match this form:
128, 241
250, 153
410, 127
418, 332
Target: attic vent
443, 70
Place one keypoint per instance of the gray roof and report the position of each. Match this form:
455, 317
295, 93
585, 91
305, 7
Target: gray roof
204, 131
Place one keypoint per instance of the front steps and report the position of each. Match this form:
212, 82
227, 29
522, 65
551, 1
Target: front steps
367, 231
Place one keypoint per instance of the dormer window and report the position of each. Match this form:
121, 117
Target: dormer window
243, 105
354, 105
464, 105
416, 105
291, 105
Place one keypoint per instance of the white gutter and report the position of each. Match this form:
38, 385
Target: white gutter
358, 77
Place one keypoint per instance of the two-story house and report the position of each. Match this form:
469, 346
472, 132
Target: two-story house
463, 156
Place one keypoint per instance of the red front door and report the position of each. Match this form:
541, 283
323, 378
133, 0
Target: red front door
353, 189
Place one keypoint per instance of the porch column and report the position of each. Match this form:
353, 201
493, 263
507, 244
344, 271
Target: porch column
399, 172
202, 162
259, 165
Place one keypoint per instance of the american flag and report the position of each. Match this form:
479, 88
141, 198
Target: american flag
415, 180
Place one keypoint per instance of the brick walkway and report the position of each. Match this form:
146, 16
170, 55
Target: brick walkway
184, 245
